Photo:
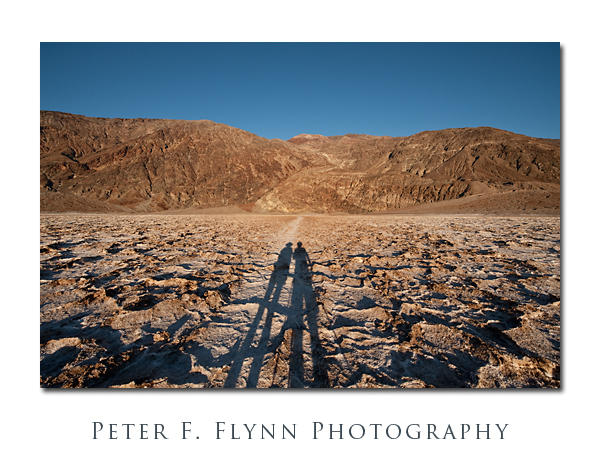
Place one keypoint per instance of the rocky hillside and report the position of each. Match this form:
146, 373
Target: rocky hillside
141, 165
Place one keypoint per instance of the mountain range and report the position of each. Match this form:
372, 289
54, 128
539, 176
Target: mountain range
149, 165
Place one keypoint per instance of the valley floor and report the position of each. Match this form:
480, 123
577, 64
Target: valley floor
299, 301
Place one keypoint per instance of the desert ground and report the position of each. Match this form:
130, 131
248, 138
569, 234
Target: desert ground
298, 301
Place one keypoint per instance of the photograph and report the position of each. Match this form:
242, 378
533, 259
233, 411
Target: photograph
305, 215
314, 233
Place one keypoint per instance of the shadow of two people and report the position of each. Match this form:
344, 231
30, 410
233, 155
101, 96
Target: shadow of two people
300, 317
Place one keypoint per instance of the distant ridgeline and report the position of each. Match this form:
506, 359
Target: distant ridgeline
142, 165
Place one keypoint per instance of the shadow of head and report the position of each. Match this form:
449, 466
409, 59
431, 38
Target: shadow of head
285, 257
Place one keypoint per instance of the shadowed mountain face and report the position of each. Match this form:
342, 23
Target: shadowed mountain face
123, 165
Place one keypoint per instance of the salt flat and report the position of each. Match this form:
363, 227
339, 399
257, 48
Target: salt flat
236, 301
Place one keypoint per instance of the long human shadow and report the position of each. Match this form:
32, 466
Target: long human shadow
269, 302
304, 305
300, 317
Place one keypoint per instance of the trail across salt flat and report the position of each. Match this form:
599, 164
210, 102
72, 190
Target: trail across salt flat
268, 326
236, 301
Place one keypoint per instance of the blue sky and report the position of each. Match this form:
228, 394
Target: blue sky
279, 90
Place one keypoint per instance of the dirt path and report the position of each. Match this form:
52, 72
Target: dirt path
272, 323
237, 301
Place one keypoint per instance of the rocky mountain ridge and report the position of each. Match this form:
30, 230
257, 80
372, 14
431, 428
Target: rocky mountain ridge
144, 165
